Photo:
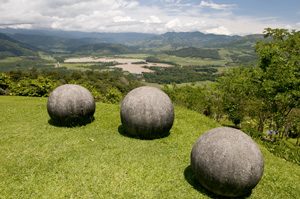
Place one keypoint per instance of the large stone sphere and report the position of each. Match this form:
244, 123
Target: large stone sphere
71, 105
147, 112
227, 162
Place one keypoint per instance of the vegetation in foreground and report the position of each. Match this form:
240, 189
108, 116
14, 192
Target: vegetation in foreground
106, 86
95, 161
262, 100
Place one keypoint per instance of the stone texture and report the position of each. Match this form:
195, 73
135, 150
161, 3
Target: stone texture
227, 162
70, 105
147, 112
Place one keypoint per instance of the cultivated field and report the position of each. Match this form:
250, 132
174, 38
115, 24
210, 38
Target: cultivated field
131, 65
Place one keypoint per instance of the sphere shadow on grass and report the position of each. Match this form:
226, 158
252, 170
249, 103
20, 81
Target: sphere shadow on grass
191, 179
71, 124
122, 131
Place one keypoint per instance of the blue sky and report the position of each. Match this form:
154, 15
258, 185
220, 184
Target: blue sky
284, 9
288, 10
157, 16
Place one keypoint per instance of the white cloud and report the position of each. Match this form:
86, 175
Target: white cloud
171, 1
122, 19
173, 24
212, 5
131, 16
152, 20
221, 30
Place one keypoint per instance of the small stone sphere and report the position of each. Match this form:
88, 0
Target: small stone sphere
227, 162
71, 105
147, 113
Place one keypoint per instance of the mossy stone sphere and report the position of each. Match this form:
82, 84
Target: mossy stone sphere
71, 105
227, 162
147, 112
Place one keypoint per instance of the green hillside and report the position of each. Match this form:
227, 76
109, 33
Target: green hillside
10, 48
175, 40
59, 44
38, 160
102, 48
68, 41
196, 52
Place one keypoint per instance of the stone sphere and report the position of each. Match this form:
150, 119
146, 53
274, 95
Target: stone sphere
71, 105
147, 113
227, 162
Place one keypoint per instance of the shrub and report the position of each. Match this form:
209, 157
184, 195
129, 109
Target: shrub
39, 87
113, 96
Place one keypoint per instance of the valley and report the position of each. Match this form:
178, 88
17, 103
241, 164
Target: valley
164, 59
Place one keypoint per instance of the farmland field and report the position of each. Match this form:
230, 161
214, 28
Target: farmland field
132, 65
191, 61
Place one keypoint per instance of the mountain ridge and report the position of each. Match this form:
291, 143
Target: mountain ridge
11, 47
57, 41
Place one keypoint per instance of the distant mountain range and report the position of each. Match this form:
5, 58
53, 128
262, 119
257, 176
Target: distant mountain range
117, 43
11, 47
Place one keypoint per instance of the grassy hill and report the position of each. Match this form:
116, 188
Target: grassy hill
58, 44
175, 40
128, 38
10, 47
38, 160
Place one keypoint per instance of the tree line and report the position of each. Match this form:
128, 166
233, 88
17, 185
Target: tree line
106, 86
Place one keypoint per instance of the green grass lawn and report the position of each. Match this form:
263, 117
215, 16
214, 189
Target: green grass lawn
38, 160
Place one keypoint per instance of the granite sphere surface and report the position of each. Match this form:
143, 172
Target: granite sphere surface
227, 162
70, 105
147, 112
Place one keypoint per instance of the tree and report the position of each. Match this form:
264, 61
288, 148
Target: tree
269, 91
5, 82
236, 89
279, 83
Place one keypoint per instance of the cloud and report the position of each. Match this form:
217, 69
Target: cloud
157, 16
122, 19
152, 20
171, 1
212, 5
220, 30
